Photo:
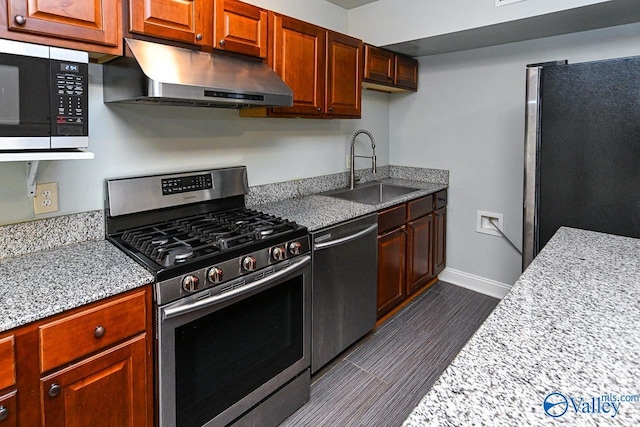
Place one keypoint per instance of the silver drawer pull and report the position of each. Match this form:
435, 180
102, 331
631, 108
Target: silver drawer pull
4, 413
54, 390
99, 331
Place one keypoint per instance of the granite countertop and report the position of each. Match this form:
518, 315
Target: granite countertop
318, 211
42, 274
40, 284
567, 335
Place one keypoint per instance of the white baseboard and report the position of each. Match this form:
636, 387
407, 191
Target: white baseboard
475, 283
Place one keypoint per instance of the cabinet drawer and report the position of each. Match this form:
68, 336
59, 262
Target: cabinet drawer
391, 218
441, 199
7, 363
92, 329
419, 207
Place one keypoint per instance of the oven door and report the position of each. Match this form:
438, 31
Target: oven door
218, 356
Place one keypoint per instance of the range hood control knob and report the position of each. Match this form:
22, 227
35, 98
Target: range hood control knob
294, 248
214, 275
249, 263
190, 283
278, 253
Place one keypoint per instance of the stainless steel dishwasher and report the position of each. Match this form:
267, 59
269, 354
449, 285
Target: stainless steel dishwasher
344, 280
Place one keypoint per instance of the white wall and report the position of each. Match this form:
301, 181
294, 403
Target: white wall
319, 12
386, 22
468, 117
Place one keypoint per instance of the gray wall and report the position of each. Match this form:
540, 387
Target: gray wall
468, 117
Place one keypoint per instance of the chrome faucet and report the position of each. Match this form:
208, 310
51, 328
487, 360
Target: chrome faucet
352, 176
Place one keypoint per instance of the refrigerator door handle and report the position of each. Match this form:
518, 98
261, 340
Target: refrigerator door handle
532, 144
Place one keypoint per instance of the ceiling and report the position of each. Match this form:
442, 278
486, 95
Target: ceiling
601, 15
351, 4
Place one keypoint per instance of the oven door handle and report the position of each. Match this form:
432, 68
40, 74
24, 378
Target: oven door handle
171, 312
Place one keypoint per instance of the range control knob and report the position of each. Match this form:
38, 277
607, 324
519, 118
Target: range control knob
294, 248
278, 253
214, 275
249, 263
190, 283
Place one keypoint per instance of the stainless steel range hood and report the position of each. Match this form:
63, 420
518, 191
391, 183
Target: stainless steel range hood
168, 75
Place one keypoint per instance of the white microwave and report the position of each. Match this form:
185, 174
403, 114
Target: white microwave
43, 97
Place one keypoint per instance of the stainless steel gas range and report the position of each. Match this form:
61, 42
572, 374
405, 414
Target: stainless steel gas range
231, 299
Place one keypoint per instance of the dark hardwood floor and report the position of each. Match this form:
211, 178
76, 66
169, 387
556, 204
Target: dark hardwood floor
380, 379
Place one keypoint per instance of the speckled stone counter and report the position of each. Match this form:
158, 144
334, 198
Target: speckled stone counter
317, 211
40, 284
569, 326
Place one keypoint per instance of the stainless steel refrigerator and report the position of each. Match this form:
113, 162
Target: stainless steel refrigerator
582, 150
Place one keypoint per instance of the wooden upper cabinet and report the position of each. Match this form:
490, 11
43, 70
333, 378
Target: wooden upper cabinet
185, 21
240, 27
388, 71
91, 25
322, 68
379, 65
406, 72
297, 54
344, 75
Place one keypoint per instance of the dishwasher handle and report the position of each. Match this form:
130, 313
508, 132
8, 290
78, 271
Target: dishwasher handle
336, 242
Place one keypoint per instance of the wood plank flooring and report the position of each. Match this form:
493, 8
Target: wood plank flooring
380, 379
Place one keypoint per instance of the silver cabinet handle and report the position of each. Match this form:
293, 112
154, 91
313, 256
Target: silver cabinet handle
222, 42
198, 37
99, 331
54, 390
20, 20
4, 413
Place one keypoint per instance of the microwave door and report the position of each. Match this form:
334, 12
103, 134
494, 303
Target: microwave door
24, 102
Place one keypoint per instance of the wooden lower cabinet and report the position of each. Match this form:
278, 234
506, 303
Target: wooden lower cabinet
420, 253
108, 389
440, 241
391, 270
411, 249
106, 379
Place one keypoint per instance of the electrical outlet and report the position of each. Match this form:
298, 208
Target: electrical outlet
348, 161
483, 225
46, 198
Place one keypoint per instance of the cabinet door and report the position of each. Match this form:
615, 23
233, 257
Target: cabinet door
419, 253
241, 28
186, 21
344, 75
379, 65
440, 243
8, 412
406, 72
109, 389
91, 21
391, 270
298, 56
7, 362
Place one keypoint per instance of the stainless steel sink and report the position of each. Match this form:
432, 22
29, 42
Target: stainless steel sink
371, 193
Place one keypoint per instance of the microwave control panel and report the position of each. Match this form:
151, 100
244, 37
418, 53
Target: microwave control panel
69, 100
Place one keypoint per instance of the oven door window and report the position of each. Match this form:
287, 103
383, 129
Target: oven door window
24, 96
222, 357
